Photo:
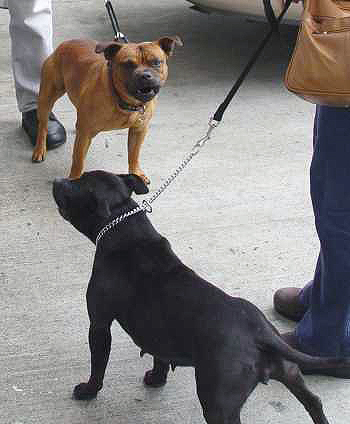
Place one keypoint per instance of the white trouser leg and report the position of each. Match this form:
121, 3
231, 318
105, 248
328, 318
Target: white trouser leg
31, 43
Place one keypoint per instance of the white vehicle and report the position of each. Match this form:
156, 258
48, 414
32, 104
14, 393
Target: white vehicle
251, 8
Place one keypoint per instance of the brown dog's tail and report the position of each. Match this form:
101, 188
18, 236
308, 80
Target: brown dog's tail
274, 343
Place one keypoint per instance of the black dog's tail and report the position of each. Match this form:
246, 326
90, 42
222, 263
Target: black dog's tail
273, 342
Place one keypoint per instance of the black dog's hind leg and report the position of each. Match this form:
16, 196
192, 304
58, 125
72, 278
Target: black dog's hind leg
290, 375
100, 346
222, 390
157, 376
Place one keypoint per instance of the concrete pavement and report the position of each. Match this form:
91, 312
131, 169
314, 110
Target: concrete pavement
240, 215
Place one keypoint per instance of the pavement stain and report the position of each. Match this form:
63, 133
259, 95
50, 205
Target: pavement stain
3, 278
278, 406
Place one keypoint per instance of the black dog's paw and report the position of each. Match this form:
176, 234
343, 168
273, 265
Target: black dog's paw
154, 380
85, 391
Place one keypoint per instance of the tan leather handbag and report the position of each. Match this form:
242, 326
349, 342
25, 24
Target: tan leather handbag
319, 70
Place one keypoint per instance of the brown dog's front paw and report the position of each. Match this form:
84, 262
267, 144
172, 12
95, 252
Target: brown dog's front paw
74, 176
38, 155
140, 174
85, 391
146, 180
153, 379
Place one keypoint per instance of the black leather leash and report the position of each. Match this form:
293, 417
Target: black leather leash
119, 36
274, 22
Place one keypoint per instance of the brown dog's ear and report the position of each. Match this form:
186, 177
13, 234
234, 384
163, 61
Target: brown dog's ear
168, 44
110, 49
135, 183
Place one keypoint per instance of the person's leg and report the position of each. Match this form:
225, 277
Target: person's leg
325, 328
322, 307
31, 43
293, 302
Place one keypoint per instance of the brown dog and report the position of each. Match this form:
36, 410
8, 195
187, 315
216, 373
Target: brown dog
110, 92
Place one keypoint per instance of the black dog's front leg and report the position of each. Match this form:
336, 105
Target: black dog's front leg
157, 376
100, 346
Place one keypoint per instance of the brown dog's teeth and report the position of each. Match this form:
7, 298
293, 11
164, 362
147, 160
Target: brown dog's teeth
145, 90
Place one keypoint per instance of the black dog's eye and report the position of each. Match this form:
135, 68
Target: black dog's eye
156, 63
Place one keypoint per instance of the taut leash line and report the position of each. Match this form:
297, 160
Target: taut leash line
195, 150
273, 21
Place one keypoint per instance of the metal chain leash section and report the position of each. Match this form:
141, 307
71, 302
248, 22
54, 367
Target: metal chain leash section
146, 204
116, 221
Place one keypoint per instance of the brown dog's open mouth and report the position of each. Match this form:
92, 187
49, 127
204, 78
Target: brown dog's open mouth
146, 93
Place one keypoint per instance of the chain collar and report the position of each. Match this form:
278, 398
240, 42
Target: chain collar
145, 207
122, 103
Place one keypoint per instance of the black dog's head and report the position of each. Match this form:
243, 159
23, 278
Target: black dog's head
90, 201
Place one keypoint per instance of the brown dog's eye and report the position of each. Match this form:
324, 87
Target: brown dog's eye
156, 63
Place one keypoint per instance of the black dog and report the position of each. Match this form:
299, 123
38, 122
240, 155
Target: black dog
169, 311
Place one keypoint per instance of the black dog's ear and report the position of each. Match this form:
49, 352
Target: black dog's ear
103, 208
168, 44
98, 205
135, 183
109, 49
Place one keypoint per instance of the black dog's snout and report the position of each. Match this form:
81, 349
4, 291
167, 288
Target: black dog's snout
59, 190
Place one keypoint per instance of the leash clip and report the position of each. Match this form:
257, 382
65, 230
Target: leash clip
120, 37
146, 206
213, 123
200, 143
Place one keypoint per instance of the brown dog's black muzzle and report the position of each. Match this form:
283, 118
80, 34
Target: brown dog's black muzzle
145, 86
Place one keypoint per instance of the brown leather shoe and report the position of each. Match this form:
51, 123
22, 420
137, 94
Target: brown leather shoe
343, 372
286, 302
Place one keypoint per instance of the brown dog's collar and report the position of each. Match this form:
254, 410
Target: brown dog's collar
122, 103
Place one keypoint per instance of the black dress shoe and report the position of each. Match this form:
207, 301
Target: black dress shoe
56, 134
341, 372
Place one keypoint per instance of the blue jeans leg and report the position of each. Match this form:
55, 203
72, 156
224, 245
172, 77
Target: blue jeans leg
325, 328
